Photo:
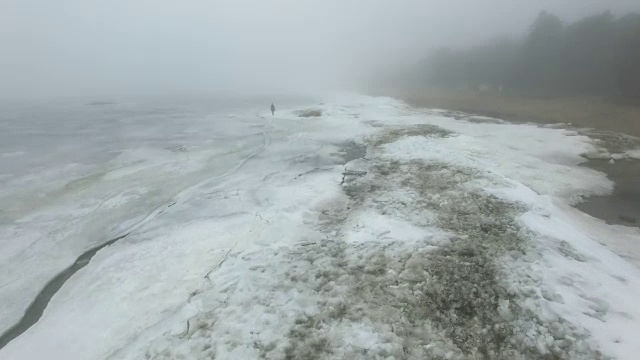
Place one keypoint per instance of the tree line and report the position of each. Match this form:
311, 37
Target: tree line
597, 55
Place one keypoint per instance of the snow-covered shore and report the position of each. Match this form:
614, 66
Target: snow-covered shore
373, 231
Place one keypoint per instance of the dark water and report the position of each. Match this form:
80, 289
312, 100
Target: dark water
622, 207
36, 309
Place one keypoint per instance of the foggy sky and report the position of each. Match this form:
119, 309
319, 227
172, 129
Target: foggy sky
96, 47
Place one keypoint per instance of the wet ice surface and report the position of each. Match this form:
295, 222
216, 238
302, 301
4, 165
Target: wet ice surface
75, 175
371, 231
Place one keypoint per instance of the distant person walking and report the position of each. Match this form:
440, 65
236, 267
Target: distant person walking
273, 109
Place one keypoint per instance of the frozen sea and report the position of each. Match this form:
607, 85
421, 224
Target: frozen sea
75, 173
345, 226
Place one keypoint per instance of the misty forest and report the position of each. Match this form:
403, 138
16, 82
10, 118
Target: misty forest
597, 55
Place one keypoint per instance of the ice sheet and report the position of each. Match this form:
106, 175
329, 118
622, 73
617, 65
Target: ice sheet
265, 239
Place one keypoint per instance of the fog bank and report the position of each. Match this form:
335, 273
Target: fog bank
91, 47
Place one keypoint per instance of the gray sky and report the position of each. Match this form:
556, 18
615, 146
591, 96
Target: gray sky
95, 47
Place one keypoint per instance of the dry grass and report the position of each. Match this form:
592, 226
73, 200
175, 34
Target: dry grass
595, 112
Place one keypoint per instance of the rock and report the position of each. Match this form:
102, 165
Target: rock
599, 154
467, 252
310, 113
411, 275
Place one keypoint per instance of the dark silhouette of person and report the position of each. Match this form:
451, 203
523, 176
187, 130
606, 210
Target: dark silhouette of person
273, 109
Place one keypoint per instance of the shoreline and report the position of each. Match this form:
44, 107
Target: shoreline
622, 206
580, 111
